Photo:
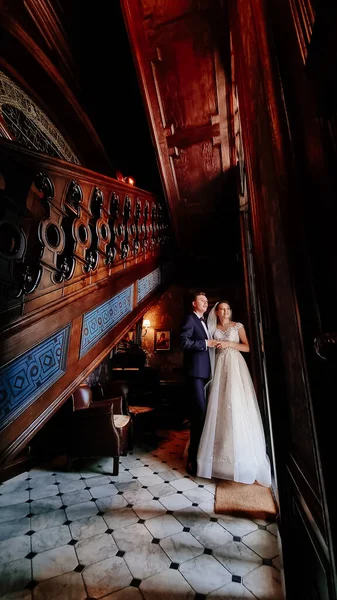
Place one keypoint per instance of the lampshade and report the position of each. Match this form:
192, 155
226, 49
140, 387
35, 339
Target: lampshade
146, 323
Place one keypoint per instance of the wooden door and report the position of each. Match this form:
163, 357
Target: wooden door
293, 252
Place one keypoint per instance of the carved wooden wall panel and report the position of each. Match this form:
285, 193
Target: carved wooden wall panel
185, 72
183, 79
80, 260
195, 170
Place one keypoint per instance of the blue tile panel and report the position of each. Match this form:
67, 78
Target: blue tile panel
100, 320
27, 377
147, 284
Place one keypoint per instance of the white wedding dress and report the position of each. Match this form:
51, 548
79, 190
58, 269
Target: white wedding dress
232, 445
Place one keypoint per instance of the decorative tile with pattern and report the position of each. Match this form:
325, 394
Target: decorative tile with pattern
147, 284
98, 321
25, 378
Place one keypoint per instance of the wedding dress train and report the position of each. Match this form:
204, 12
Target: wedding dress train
232, 445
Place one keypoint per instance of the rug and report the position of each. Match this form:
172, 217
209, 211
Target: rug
242, 500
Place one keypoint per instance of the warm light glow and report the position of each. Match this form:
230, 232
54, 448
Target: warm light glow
146, 325
129, 180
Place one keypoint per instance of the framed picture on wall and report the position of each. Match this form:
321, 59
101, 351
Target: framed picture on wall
162, 340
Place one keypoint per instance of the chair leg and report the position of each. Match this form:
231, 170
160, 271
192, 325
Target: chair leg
115, 470
69, 462
130, 438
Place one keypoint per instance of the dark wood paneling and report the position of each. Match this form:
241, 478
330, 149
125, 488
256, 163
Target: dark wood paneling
185, 71
195, 171
285, 178
269, 167
182, 72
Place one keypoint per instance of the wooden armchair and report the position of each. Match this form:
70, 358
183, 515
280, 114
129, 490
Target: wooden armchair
138, 402
118, 389
98, 428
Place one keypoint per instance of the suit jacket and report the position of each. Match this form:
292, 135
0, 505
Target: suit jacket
196, 355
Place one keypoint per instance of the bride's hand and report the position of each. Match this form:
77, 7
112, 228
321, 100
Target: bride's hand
223, 345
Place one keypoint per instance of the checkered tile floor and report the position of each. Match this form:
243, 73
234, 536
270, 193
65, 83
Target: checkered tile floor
149, 533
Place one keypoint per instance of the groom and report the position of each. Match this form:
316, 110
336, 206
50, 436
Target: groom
195, 342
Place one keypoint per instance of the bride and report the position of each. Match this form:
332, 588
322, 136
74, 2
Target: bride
232, 445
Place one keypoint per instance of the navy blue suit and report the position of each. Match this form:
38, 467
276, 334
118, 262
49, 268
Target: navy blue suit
197, 369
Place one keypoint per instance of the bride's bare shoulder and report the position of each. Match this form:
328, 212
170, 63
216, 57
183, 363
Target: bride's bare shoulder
236, 324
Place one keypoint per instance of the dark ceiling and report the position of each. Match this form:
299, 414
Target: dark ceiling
109, 90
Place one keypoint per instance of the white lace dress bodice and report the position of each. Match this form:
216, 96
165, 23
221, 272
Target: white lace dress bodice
232, 444
231, 334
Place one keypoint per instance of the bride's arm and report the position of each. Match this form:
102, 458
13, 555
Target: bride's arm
243, 346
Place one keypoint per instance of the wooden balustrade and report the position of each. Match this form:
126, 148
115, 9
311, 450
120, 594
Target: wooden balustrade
64, 228
82, 256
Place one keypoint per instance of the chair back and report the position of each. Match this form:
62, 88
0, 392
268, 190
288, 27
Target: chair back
112, 389
120, 387
82, 397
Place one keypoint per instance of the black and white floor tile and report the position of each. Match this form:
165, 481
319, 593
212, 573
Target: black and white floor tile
150, 533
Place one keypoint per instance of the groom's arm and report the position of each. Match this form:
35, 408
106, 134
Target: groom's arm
186, 335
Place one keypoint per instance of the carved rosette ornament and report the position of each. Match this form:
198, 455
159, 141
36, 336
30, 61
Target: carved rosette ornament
109, 257
74, 195
26, 280
146, 227
70, 210
50, 231
153, 227
63, 272
44, 185
125, 232
96, 221
113, 213
136, 228
91, 263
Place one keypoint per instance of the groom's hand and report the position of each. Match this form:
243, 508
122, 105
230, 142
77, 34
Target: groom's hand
211, 343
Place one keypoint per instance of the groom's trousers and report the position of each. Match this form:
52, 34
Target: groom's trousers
197, 413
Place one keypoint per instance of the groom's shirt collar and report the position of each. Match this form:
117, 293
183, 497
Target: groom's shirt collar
203, 324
